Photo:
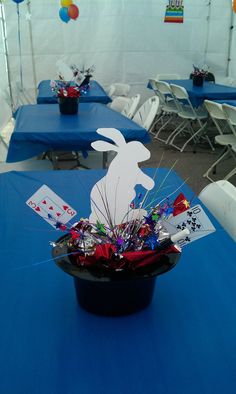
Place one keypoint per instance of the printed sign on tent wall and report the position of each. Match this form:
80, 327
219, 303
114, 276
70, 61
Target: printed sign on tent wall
174, 11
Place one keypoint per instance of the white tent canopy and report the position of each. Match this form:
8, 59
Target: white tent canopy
126, 40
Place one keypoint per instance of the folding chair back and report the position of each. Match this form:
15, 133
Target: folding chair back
131, 106
216, 113
179, 92
215, 109
153, 83
230, 113
147, 112
181, 96
164, 88
119, 89
220, 198
119, 103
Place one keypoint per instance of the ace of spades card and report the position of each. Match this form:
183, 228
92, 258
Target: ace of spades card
195, 220
51, 207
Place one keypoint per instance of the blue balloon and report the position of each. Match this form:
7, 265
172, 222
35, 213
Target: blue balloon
63, 13
18, 1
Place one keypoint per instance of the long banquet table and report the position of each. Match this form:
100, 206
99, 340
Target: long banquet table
184, 342
95, 93
208, 91
41, 128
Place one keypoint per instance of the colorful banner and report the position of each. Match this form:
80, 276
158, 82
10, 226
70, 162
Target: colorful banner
175, 11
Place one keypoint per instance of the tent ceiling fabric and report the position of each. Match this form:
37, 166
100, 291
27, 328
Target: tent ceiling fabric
126, 40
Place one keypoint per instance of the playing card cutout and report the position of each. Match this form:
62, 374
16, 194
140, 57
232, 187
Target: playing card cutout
45, 202
195, 220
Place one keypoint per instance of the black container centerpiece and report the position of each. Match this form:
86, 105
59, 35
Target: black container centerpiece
68, 105
103, 290
198, 76
198, 80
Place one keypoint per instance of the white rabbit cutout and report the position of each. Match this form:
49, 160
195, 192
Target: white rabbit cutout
112, 195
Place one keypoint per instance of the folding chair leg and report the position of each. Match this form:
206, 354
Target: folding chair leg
180, 126
231, 173
186, 123
193, 137
225, 152
163, 126
159, 118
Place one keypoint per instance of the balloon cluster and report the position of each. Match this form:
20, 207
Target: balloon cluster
68, 11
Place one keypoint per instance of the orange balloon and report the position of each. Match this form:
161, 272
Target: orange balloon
73, 11
234, 5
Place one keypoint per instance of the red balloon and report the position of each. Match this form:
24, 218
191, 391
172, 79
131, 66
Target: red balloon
73, 11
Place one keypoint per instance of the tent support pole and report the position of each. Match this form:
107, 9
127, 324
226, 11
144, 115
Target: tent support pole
231, 27
32, 48
4, 34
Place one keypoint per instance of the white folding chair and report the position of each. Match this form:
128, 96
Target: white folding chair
220, 198
131, 106
219, 117
119, 89
26, 165
190, 115
162, 77
119, 103
233, 171
5, 137
168, 106
147, 112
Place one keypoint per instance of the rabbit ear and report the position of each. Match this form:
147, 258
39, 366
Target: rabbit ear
103, 146
114, 135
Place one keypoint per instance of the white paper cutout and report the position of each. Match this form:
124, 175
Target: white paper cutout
112, 195
64, 71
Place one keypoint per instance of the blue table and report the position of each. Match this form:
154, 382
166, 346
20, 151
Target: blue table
95, 94
184, 342
209, 91
230, 102
41, 128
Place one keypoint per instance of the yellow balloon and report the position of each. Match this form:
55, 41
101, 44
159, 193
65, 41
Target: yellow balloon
66, 3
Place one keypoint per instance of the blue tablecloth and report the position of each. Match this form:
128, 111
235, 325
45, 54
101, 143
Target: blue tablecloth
209, 91
184, 342
230, 102
94, 94
41, 128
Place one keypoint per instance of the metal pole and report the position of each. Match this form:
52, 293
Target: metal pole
231, 29
6, 54
19, 42
207, 32
32, 48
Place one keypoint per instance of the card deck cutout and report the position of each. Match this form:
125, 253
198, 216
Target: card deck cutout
195, 220
50, 207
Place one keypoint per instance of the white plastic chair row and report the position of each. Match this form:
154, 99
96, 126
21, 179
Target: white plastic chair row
189, 114
168, 107
175, 101
147, 112
220, 198
227, 114
126, 105
118, 89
